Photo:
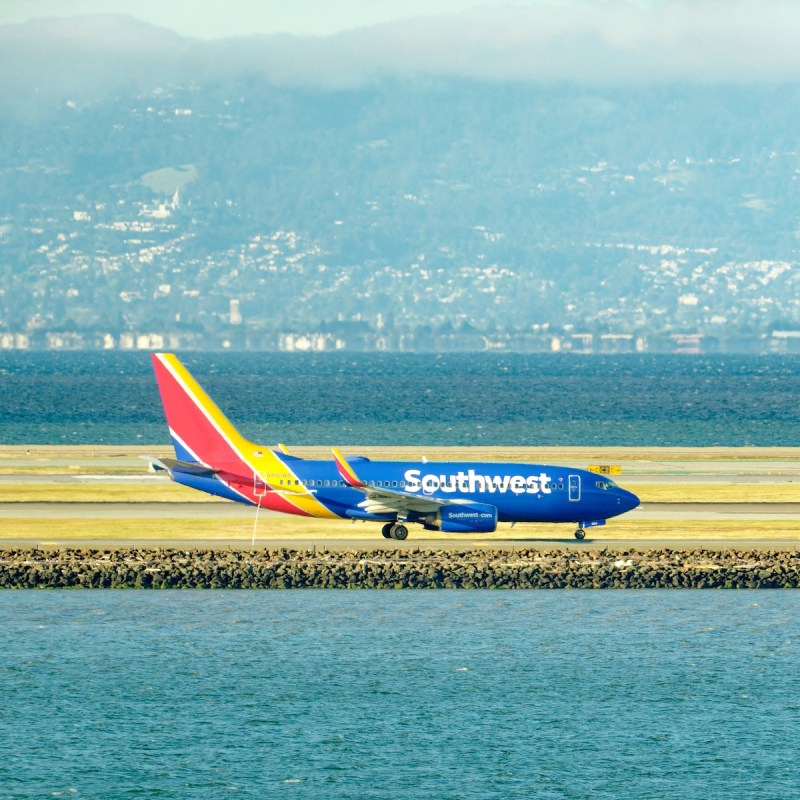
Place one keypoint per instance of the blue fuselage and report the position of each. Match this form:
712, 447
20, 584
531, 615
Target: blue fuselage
520, 492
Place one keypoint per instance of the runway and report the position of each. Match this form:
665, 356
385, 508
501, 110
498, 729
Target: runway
234, 511
772, 526
743, 478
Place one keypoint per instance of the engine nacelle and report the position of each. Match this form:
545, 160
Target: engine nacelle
464, 518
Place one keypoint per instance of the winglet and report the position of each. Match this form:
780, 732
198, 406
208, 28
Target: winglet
346, 471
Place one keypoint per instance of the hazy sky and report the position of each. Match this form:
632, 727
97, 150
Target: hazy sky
208, 20
345, 41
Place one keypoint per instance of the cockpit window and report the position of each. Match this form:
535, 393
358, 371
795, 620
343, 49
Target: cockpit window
605, 485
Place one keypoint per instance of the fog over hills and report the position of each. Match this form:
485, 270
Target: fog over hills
617, 42
495, 178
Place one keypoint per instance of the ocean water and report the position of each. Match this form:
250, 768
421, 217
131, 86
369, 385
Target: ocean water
362, 694
404, 399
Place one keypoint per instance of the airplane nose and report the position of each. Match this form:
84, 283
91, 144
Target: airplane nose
626, 500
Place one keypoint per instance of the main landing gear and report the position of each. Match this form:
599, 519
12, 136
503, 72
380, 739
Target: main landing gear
394, 530
580, 534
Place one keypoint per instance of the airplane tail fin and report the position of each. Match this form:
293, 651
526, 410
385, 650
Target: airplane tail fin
200, 432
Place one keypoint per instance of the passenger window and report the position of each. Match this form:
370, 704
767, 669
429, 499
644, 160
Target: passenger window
394, 484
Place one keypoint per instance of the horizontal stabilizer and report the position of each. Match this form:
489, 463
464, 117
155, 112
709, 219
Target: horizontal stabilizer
173, 465
286, 458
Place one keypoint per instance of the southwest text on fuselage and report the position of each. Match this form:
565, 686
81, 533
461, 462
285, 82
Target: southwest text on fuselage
470, 482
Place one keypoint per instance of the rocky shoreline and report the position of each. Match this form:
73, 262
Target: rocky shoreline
159, 568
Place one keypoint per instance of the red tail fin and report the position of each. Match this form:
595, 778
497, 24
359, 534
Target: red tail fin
199, 430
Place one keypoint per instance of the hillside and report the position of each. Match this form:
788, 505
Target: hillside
236, 208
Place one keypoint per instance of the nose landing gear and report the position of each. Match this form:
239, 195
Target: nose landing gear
580, 534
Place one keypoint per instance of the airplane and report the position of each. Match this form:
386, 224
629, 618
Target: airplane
452, 497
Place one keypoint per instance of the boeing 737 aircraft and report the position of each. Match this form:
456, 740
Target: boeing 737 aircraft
454, 497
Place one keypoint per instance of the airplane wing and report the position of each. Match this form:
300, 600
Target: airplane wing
379, 500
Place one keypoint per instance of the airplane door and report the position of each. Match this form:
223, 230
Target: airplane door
574, 488
259, 487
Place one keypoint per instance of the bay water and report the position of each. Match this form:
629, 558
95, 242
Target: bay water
399, 694
404, 399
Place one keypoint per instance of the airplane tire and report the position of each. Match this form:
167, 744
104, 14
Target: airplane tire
399, 532
580, 534
386, 530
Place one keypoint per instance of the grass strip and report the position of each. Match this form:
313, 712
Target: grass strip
152, 531
163, 491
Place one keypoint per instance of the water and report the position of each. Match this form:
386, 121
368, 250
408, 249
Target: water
403, 399
309, 694
441, 694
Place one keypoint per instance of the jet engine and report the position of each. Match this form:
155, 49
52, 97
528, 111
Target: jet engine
463, 518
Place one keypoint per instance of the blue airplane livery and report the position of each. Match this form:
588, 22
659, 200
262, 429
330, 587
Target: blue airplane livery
453, 497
